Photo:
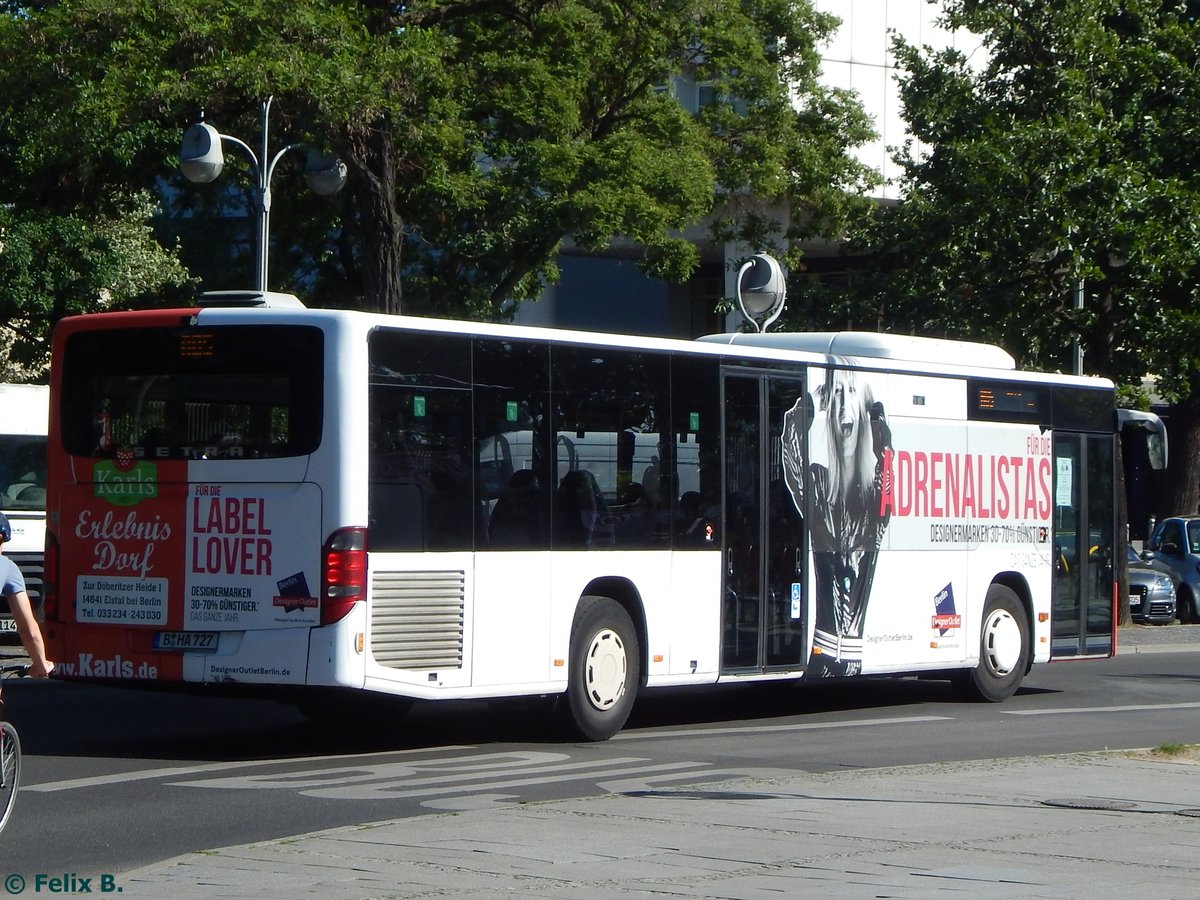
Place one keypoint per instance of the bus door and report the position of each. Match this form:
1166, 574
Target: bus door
764, 617
1084, 545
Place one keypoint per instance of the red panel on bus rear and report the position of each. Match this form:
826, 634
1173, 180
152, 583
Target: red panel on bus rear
155, 549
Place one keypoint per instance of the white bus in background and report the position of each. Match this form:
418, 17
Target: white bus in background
24, 412
317, 503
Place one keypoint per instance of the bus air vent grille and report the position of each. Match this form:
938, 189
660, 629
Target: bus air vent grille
417, 619
33, 568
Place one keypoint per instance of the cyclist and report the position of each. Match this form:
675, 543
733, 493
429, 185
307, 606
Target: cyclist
22, 612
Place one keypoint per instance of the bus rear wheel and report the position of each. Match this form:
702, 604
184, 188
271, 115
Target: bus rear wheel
1004, 648
605, 669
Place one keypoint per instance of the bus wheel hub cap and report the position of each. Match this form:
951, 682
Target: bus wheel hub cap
1002, 643
605, 671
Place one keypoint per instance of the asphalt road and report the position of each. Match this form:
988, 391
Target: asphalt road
117, 779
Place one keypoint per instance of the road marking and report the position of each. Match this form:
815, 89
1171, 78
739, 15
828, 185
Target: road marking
390, 792
454, 775
150, 774
1140, 707
356, 761
183, 771
442, 769
769, 729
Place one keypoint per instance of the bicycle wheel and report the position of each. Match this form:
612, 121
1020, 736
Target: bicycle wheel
10, 770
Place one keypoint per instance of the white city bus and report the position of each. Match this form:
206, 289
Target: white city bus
277, 498
23, 417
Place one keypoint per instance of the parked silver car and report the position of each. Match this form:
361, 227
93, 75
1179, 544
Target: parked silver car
1175, 542
1152, 598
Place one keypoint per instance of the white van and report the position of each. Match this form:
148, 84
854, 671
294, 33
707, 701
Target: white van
24, 414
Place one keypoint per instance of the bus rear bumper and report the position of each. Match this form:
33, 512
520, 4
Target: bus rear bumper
281, 657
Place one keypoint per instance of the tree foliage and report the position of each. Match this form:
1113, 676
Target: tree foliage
53, 265
479, 134
1063, 153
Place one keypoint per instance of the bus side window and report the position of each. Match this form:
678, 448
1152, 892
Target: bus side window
611, 409
581, 516
513, 484
397, 517
516, 520
421, 443
696, 464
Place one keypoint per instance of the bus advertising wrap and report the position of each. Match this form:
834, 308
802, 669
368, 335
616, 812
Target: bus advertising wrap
884, 489
154, 551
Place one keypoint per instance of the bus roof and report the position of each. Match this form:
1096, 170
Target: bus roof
898, 347
901, 353
24, 408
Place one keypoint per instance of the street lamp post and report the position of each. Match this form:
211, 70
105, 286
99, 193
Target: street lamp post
761, 290
201, 161
1077, 344
1115, 262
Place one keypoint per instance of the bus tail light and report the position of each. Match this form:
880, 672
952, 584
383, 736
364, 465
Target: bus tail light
50, 579
343, 573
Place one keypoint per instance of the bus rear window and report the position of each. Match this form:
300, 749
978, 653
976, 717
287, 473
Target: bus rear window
228, 392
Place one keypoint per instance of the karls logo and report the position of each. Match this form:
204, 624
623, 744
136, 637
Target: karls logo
91, 666
125, 481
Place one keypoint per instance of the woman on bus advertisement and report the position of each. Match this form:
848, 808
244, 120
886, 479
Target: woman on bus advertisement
846, 524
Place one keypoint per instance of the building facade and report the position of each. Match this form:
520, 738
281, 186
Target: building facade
608, 293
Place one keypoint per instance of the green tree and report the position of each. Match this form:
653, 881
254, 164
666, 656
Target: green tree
1062, 155
53, 265
479, 134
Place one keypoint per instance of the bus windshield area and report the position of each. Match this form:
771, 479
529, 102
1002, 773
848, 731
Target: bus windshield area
190, 393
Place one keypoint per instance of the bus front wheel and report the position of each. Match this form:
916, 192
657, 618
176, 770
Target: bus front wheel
1004, 648
605, 669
